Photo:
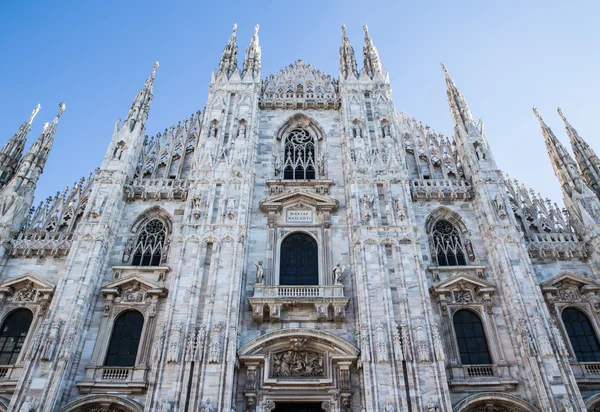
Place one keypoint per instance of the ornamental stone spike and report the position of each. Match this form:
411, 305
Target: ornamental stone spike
228, 63
347, 58
252, 57
587, 160
372, 64
11, 153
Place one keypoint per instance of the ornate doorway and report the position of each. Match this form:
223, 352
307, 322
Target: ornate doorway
297, 407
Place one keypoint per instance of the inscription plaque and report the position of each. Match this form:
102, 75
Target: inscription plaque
299, 216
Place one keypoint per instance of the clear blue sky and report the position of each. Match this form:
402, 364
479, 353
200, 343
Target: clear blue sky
505, 57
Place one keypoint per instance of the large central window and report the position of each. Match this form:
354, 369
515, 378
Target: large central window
299, 260
299, 155
582, 336
12, 335
125, 339
447, 245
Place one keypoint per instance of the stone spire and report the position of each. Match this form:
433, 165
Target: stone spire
581, 202
461, 115
372, 62
138, 113
13, 150
252, 58
17, 195
34, 161
586, 158
228, 63
347, 57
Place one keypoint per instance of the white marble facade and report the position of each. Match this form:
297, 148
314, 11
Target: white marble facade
179, 243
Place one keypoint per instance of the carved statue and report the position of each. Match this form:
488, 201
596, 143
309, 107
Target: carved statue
128, 251
242, 131
337, 273
28, 405
367, 206
230, 207
214, 347
400, 213
479, 152
567, 405
118, 151
321, 165
27, 294
165, 406
52, 341
432, 406
278, 165
260, 272
207, 406
500, 206
175, 344
388, 408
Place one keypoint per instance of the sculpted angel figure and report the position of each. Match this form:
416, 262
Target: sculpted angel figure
337, 273
260, 271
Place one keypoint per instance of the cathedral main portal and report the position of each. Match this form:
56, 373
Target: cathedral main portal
297, 407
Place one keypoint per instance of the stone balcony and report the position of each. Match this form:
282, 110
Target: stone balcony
9, 377
157, 189
555, 246
440, 189
278, 303
465, 378
115, 379
587, 374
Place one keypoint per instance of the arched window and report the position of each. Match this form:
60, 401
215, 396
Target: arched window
447, 246
125, 339
582, 336
470, 335
150, 245
299, 261
299, 155
12, 335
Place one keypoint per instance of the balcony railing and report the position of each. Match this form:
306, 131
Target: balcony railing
102, 379
551, 237
474, 371
269, 302
440, 189
299, 291
115, 374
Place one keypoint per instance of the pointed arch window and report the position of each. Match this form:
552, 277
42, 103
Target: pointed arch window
299, 155
581, 335
150, 245
299, 260
13, 334
470, 336
447, 245
125, 339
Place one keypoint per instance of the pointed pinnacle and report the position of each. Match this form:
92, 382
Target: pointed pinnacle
62, 106
560, 113
33, 113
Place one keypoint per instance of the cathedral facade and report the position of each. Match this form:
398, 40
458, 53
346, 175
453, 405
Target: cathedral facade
299, 245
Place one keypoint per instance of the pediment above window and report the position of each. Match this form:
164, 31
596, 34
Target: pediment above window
26, 288
320, 202
569, 287
462, 290
132, 289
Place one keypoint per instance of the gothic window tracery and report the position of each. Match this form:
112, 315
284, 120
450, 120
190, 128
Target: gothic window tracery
13, 334
150, 245
471, 339
581, 335
125, 339
448, 247
299, 260
299, 155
